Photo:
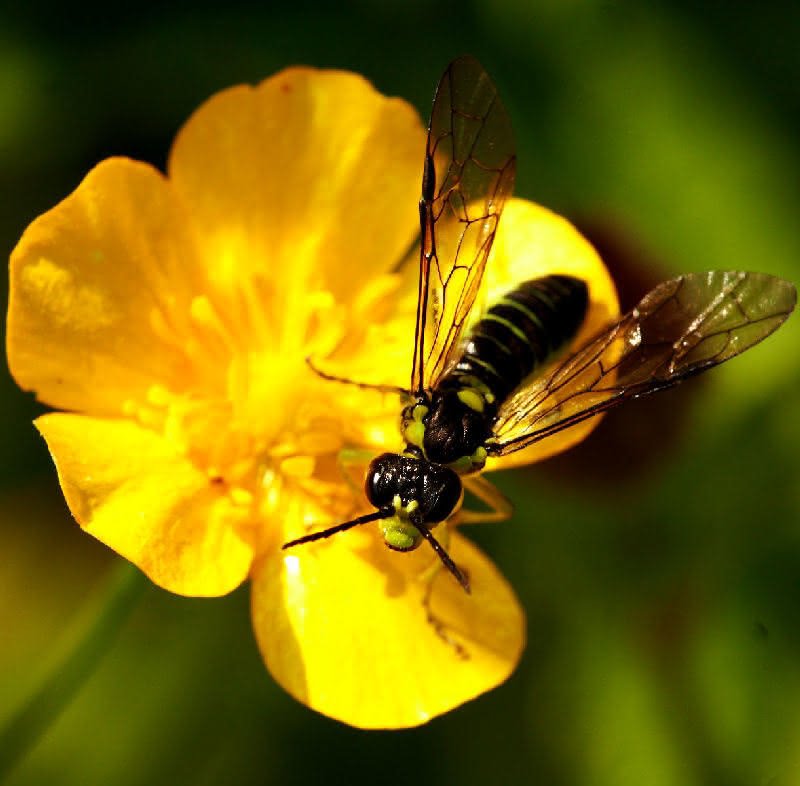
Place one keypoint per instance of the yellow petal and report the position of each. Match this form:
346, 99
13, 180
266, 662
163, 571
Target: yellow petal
93, 283
345, 631
130, 489
532, 241
311, 180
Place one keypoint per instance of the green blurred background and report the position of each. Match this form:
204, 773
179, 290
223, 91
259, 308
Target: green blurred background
659, 563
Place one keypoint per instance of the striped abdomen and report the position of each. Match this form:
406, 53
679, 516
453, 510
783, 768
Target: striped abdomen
521, 332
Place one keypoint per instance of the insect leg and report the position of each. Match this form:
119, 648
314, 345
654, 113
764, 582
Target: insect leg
500, 507
352, 457
428, 577
440, 626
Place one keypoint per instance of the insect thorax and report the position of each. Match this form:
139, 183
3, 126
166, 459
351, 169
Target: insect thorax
514, 338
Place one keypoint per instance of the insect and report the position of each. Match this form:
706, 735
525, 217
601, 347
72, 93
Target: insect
474, 388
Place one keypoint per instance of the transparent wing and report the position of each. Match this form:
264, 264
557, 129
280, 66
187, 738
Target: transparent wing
680, 328
468, 175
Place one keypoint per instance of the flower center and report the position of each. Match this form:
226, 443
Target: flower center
255, 418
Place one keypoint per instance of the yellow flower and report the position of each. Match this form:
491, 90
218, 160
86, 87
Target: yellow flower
169, 318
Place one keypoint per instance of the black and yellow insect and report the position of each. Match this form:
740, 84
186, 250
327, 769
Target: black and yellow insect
474, 387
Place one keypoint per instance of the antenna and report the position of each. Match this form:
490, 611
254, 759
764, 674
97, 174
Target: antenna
385, 513
443, 555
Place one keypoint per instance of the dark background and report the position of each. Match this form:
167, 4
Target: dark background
659, 562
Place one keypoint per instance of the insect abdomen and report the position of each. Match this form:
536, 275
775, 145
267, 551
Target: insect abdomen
522, 331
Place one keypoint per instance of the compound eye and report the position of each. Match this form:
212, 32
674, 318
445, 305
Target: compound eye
379, 485
372, 486
447, 496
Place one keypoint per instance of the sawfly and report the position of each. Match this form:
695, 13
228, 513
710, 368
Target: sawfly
484, 385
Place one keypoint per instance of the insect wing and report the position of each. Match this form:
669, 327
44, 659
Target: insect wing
680, 328
469, 174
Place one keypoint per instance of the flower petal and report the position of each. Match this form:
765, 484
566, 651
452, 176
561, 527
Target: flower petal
346, 632
94, 282
130, 489
310, 179
532, 241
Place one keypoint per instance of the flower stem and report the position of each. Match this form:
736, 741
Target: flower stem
22, 729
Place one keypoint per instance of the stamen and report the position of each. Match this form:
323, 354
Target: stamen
320, 300
284, 449
325, 323
319, 443
256, 295
144, 415
241, 497
205, 317
199, 354
159, 396
298, 466
377, 295
272, 496
378, 436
